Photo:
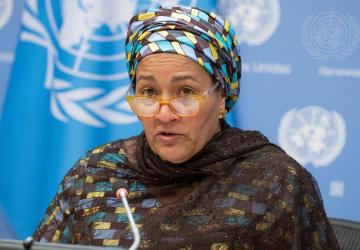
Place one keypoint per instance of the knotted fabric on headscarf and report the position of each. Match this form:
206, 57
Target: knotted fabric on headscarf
205, 38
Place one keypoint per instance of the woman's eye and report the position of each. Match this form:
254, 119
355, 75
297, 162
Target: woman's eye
187, 91
148, 92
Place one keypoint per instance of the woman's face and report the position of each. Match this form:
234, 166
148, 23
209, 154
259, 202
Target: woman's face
174, 138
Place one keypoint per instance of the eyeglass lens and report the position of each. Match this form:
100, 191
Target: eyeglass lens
184, 105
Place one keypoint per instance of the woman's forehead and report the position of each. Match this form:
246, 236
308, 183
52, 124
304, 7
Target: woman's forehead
171, 67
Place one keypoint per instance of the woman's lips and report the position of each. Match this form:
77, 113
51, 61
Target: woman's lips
168, 137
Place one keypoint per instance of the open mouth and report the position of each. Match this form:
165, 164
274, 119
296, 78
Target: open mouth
168, 137
167, 134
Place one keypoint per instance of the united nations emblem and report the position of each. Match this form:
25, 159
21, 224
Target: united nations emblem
312, 135
330, 34
86, 67
6, 7
254, 20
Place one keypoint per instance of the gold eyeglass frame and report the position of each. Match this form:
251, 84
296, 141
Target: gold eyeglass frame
201, 98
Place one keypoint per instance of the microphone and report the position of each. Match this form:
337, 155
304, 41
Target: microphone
121, 192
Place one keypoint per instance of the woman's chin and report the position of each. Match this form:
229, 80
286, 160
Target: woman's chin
174, 156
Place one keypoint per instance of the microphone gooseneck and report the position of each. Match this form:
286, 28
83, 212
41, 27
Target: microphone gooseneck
122, 193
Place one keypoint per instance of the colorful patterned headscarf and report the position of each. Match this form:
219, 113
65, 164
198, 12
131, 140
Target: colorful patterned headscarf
204, 37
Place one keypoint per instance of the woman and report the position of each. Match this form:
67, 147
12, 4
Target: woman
195, 182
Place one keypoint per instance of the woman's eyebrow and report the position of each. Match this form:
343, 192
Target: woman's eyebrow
184, 78
146, 77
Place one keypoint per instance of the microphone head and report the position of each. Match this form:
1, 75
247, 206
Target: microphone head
120, 186
119, 191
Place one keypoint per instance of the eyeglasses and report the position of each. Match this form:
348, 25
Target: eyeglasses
187, 105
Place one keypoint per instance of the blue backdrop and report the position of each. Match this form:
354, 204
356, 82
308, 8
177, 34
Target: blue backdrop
301, 75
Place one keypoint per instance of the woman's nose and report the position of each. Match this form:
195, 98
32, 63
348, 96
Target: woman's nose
166, 114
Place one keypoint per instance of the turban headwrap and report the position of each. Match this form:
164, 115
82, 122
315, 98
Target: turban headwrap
205, 38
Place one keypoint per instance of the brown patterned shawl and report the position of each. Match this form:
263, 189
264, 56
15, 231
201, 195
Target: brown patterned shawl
239, 192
